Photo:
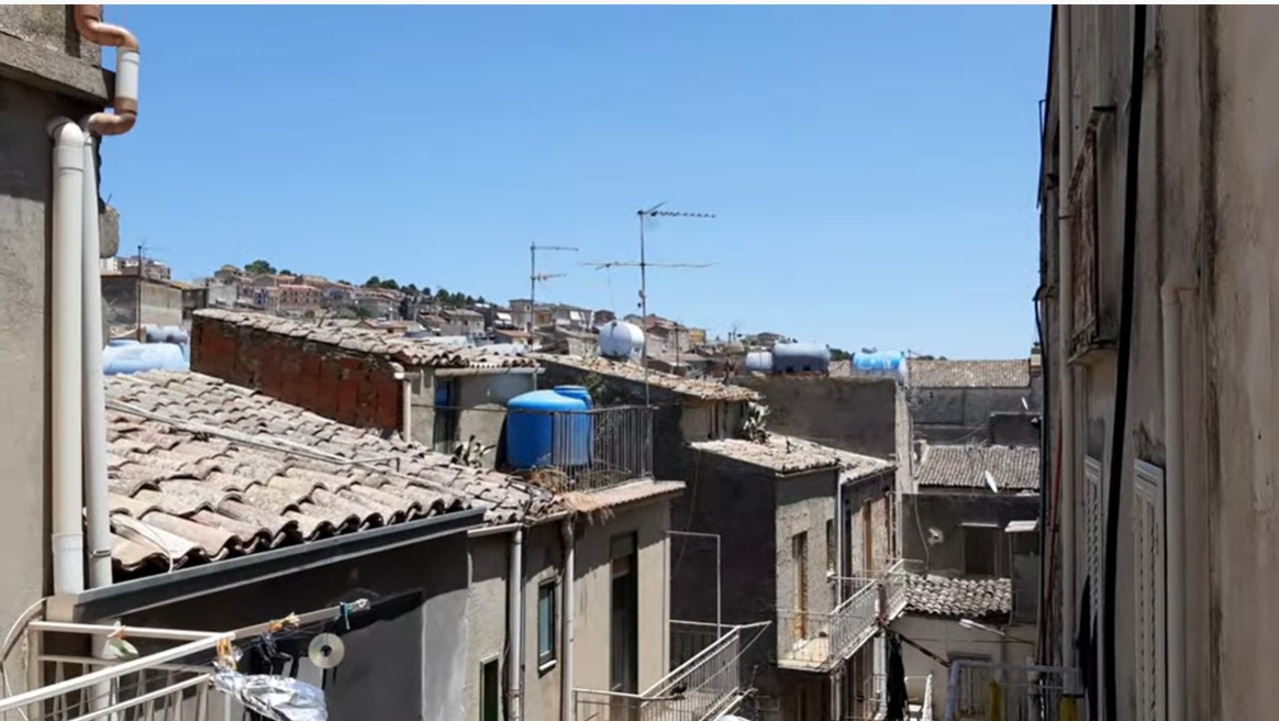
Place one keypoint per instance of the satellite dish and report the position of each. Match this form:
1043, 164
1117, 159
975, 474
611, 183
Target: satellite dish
935, 536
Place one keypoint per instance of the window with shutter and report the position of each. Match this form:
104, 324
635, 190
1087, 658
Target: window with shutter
1094, 530
1149, 591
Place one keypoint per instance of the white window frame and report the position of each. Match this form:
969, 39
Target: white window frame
1150, 593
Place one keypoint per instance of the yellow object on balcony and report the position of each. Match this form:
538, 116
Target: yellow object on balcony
994, 708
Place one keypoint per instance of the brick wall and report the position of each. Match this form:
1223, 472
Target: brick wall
357, 389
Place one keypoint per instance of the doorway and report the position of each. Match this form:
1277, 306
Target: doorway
624, 616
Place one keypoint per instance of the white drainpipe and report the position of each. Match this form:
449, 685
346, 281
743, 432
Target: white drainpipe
1174, 498
94, 423
67, 324
1065, 314
568, 710
515, 622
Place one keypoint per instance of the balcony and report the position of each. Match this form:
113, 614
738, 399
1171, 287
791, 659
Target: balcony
705, 684
150, 686
979, 690
561, 450
811, 641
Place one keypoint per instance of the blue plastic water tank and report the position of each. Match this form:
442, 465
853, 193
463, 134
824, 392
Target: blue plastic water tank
801, 358
139, 357
759, 361
878, 361
530, 421
573, 448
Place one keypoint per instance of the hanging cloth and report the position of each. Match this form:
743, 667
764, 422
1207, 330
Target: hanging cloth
896, 681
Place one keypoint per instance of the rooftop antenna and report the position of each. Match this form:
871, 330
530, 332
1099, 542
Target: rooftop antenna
643, 265
534, 278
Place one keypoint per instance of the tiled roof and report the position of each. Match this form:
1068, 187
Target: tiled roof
968, 373
693, 387
958, 597
411, 352
1014, 468
787, 454
202, 470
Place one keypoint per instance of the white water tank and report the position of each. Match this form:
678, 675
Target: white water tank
621, 340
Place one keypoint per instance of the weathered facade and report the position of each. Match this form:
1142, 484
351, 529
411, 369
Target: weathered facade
364, 378
46, 71
159, 302
1175, 523
952, 401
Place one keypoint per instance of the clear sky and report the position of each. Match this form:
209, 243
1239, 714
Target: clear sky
873, 169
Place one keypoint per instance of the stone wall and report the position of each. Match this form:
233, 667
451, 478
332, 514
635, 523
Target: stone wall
357, 389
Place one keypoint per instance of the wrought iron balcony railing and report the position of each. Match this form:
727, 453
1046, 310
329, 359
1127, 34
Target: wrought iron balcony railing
706, 683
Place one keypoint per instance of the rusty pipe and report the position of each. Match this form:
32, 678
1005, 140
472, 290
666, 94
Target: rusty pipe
88, 22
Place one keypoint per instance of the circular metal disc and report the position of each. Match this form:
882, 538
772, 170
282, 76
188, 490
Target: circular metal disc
326, 650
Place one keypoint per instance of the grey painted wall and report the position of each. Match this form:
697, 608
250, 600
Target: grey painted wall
57, 77
954, 415
947, 512
436, 572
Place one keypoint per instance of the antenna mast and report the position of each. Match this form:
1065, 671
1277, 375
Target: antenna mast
534, 278
644, 265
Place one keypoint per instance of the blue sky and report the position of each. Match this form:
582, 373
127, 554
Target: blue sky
873, 169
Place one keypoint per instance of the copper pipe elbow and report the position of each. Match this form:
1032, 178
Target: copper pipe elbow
88, 22
112, 124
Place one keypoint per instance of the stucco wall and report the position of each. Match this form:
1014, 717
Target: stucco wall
435, 573
804, 504
161, 303
482, 402
649, 522
851, 413
946, 513
1204, 213
946, 638
40, 39
957, 415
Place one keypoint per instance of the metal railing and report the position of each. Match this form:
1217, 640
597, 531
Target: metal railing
561, 450
817, 641
979, 690
705, 686
169, 681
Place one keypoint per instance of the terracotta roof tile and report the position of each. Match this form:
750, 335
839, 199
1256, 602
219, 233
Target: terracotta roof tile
958, 597
968, 373
200, 470
1013, 468
788, 454
693, 387
409, 351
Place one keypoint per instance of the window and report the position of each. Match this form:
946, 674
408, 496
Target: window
974, 686
831, 551
981, 549
1150, 594
545, 623
490, 691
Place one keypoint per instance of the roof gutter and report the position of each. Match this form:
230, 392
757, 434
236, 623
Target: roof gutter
460, 372
163, 590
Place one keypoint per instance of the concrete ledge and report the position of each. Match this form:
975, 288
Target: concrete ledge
56, 72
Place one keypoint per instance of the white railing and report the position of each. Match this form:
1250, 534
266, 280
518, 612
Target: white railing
926, 707
979, 690
170, 680
819, 641
702, 688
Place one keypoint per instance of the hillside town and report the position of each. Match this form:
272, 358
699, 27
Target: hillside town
265, 494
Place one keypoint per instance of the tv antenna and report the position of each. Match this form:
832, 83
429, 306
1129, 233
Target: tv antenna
535, 277
643, 265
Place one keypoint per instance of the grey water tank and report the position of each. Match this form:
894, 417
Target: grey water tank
801, 358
